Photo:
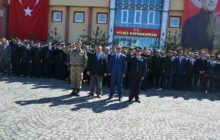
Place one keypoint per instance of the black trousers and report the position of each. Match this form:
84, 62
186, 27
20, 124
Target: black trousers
210, 82
135, 85
217, 84
156, 79
202, 83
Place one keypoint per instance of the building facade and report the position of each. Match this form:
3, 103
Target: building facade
130, 23
72, 18
78, 17
175, 23
138, 22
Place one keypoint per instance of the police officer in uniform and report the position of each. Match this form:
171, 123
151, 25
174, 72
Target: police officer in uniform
137, 72
78, 62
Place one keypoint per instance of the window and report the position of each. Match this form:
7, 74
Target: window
101, 18
151, 17
175, 22
57, 16
137, 17
124, 16
79, 17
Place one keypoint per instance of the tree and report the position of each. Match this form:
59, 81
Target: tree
54, 36
98, 37
172, 42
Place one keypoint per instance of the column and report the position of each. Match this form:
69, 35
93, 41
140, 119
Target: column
111, 22
165, 16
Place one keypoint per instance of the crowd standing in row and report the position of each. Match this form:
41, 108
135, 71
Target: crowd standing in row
117, 67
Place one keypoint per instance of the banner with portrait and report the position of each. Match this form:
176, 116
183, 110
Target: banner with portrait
201, 24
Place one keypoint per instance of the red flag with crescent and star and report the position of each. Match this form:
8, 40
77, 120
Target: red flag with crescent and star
28, 19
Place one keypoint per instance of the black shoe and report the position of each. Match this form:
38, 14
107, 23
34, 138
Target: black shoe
138, 101
73, 92
77, 92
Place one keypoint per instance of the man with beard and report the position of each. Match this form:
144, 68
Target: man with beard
202, 30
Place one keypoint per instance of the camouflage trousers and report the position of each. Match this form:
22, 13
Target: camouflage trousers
76, 76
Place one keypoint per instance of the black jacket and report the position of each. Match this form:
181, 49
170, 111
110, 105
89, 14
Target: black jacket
97, 67
167, 65
137, 68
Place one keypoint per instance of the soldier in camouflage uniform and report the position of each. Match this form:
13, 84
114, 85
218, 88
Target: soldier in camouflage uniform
78, 63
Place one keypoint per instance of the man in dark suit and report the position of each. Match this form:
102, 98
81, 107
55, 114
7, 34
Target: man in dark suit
97, 68
137, 71
147, 56
7, 55
179, 64
200, 31
129, 55
201, 69
27, 60
16, 57
189, 72
49, 56
167, 70
155, 69
117, 70
195, 73
209, 77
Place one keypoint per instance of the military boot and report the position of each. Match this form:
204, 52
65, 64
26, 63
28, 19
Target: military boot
77, 92
73, 92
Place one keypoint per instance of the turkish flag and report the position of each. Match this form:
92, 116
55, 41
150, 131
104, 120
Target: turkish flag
28, 19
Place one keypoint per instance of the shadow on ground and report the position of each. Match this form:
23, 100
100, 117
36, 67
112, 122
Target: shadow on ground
82, 102
37, 82
96, 106
183, 94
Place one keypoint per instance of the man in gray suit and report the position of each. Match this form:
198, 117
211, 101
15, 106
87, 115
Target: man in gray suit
7, 53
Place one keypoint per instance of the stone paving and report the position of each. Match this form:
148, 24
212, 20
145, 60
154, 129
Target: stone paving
41, 109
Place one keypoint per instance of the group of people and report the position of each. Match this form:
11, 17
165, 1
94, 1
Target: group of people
33, 59
117, 67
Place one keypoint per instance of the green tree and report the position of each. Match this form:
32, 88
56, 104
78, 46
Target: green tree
54, 36
98, 37
172, 42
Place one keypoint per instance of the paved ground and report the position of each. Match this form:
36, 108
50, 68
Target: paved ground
42, 109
